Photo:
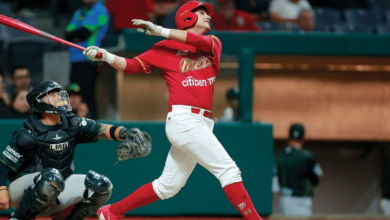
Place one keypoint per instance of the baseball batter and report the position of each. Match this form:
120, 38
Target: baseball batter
39, 160
190, 62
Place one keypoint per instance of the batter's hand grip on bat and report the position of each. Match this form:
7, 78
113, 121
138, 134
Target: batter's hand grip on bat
99, 55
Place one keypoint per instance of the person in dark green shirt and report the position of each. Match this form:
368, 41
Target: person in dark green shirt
298, 172
39, 159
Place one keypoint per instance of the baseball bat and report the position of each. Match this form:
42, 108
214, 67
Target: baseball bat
12, 23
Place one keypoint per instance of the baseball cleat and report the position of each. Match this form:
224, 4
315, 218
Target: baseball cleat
104, 214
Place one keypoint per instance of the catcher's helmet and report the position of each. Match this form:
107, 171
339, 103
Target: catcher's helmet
56, 103
185, 16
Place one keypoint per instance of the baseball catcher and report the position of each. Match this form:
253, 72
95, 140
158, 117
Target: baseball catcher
39, 159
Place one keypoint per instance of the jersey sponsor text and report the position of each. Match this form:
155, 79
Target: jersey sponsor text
12, 154
187, 64
59, 147
191, 81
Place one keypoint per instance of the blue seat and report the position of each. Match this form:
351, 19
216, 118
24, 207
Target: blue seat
276, 27
359, 17
321, 28
328, 16
350, 28
378, 14
382, 29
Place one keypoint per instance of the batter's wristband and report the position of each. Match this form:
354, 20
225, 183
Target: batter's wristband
112, 132
110, 58
165, 32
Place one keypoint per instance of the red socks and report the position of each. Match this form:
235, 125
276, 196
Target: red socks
141, 197
240, 199
145, 195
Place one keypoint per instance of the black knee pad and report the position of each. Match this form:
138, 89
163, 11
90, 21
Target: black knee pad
48, 186
102, 188
97, 182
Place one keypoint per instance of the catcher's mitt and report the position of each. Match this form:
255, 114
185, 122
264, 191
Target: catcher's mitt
136, 144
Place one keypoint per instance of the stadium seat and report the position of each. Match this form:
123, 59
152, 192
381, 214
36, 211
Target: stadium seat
276, 27
327, 16
382, 29
321, 28
378, 14
350, 28
359, 17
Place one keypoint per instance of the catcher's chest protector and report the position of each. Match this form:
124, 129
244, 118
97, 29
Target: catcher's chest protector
56, 148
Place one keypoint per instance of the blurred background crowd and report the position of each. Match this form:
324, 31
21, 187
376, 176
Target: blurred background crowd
284, 94
22, 71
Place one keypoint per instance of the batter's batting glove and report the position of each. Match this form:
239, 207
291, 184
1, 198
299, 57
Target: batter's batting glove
150, 28
93, 50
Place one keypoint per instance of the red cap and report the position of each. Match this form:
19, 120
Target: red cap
185, 16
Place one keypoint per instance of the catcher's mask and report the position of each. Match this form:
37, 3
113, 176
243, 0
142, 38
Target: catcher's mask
48, 97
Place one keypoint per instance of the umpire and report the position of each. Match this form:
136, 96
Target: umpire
39, 159
298, 172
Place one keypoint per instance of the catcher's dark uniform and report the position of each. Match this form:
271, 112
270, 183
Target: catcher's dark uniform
39, 152
39, 159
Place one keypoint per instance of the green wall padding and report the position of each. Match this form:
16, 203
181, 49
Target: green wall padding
250, 145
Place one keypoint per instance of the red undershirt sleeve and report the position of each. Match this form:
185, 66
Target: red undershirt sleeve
210, 45
201, 42
133, 66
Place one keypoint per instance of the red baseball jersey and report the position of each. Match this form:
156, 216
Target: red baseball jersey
190, 74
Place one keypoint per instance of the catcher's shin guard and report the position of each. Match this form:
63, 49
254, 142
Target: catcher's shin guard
48, 186
101, 186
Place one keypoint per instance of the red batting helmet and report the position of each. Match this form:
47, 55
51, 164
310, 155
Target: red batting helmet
185, 16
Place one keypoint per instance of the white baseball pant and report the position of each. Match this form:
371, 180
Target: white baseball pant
193, 141
72, 194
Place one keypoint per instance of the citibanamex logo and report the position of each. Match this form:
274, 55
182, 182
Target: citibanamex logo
190, 81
